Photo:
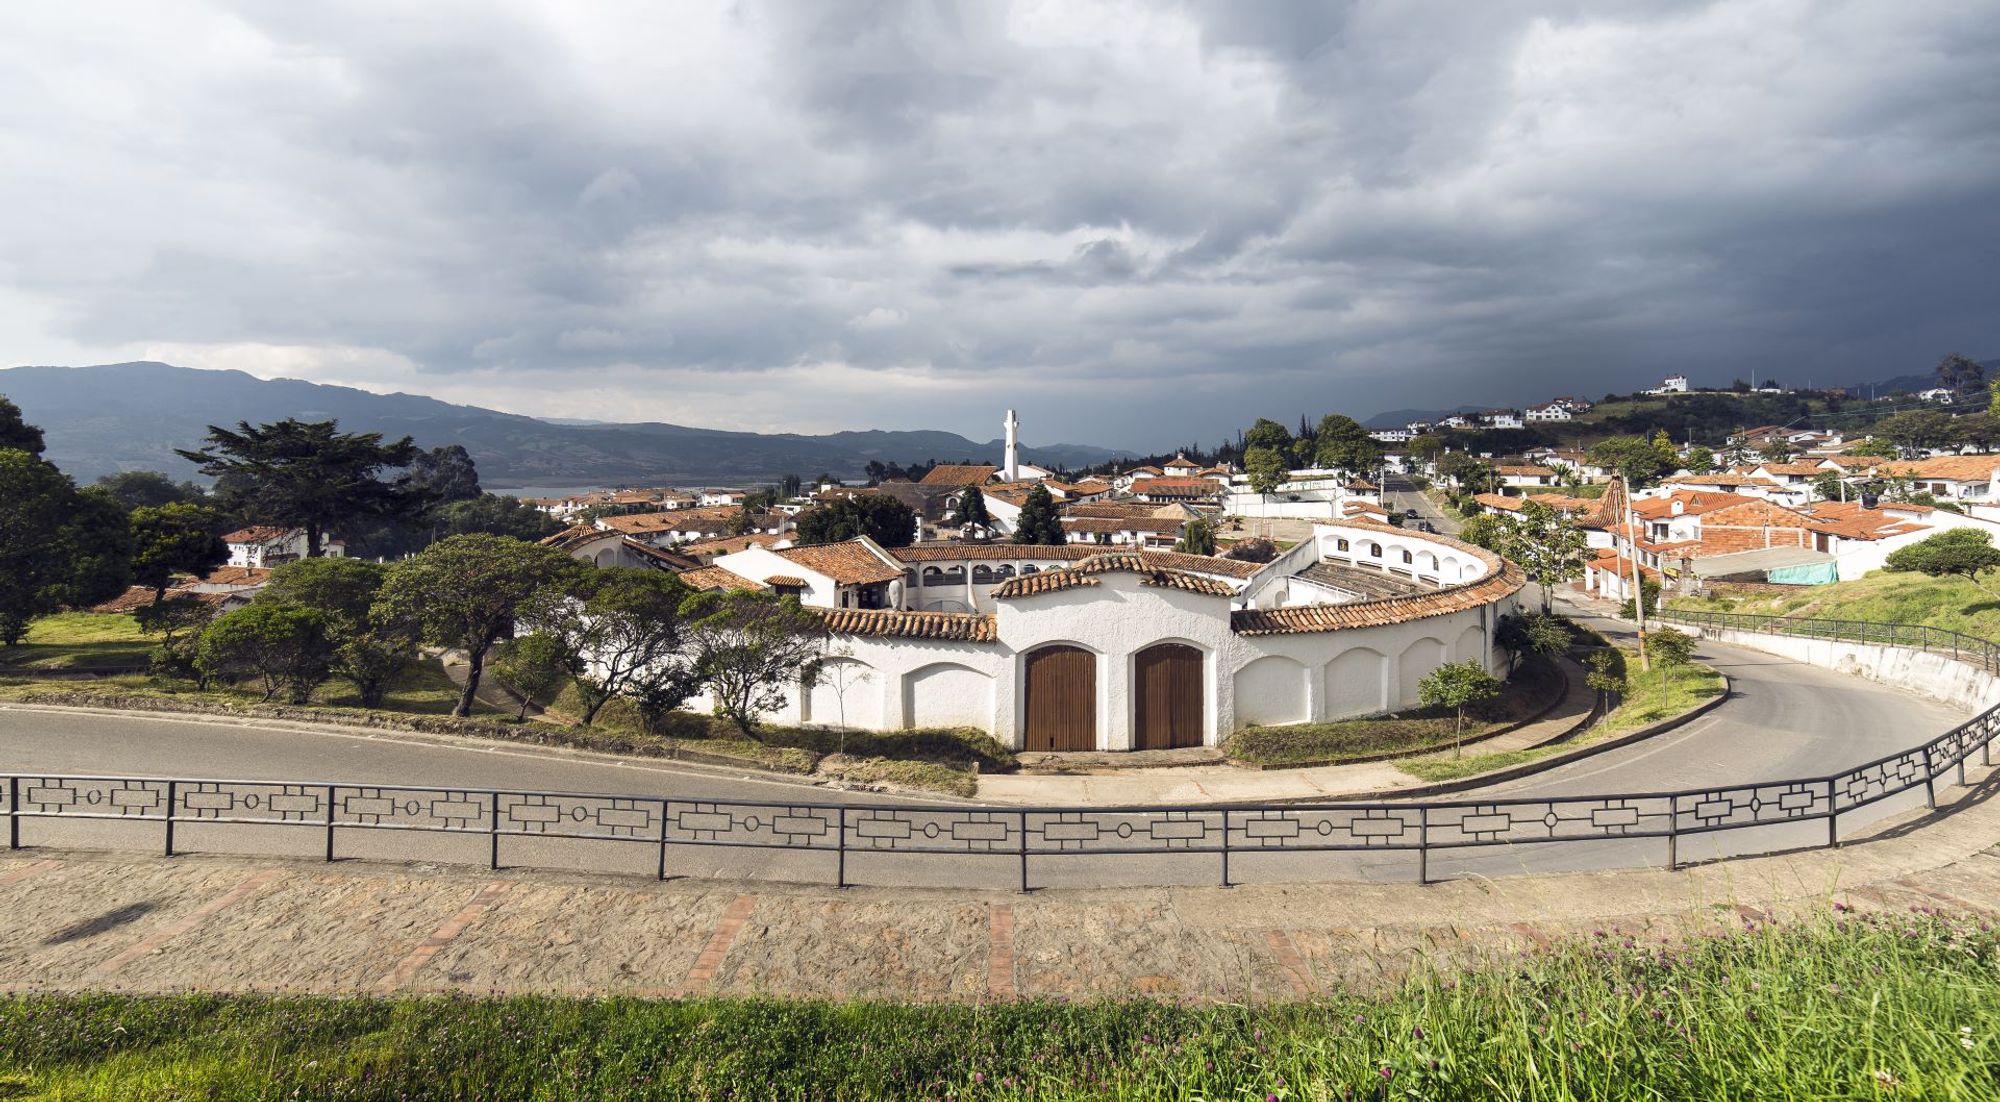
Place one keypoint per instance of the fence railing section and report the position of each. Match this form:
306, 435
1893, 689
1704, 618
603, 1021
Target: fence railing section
1024, 836
1971, 649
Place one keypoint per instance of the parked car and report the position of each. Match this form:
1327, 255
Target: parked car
1410, 513
1426, 526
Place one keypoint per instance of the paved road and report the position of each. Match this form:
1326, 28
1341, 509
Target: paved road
1787, 720
1399, 493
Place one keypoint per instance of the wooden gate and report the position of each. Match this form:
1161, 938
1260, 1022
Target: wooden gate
1169, 697
1062, 699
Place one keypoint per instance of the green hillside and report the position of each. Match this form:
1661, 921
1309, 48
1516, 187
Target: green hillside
1952, 603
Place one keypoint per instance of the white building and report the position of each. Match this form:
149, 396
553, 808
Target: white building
1501, 419
1549, 411
1064, 648
265, 546
1672, 384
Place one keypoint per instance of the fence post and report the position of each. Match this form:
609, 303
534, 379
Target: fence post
13, 813
1832, 817
840, 859
329, 822
1673, 833
1423, 844
1225, 848
493, 831
1930, 780
173, 793
1023, 817
663, 838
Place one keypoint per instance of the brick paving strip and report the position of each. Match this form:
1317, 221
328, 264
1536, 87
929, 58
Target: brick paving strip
705, 965
406, 969
188, 921
1000, 952
26, 871
1290, 962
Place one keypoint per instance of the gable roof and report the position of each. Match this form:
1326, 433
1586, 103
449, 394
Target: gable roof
707, 578
851, 563
961, 627
1085, 573
260, 533
1955, 468
958, 474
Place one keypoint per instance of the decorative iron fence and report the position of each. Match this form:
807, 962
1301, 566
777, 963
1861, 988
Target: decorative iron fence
1965, 648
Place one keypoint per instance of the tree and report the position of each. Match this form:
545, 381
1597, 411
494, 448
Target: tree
174, 538
15, 432
285, 646
1255, 549
1959, 373
1700, 460
1485, 530
532, 665
1457, 685
464, 593
969, 508
179, 622
1829, 486
47, 532
1961, 552
369, 652
1267, 434
1777, 451
1633, 457
1197, 537
749, 647
136, 489
1531, 633
442, 474
1548, 547
1981, 430
615, 630
492, 515
1039, 522
1342, 443
1266, 467
1919, 431
309, 475
880, 517
1426, 449
1607, 674
1668, 648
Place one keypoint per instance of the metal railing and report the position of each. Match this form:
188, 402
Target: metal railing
1023, 836
1972, 649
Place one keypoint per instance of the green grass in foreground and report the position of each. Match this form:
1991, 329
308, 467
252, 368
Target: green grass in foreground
1415, 730
1838, 1007
1648, 702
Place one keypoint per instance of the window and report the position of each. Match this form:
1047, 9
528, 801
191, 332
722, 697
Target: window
1340, 544
1030, 569
1006, 570
932, 576
1408, 558
1374, 550
983, 575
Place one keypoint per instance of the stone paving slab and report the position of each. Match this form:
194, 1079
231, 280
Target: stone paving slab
95, 920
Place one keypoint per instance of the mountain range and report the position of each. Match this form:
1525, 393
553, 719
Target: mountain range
131, 416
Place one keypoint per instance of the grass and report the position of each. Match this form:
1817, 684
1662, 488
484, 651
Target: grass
1647, 702
1838, 1006
1884, 597
79, 641
1415, 731
424, 690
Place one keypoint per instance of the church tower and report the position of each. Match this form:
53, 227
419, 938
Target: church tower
1011, 469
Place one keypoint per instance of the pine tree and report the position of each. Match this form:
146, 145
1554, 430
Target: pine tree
1039, 522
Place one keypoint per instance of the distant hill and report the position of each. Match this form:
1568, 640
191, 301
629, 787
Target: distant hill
1912, 384
131, 416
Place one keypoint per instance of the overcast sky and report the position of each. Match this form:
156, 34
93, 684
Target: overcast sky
1141, 224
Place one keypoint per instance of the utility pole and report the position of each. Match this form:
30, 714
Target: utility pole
1638, 582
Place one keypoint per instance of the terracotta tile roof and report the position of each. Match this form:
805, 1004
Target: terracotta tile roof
850, 563
1721, 480
138, 597
1499, 501
1851, 461
1810, 467
1693, 503
670, 559
951, 474
1528, 470
961, 627
1503, 580
240, 576
1958, 468
1611, 562
1015, 552
706, 578
785, 579
729, 545
575, 536
1127, 562
1149, 469
1106, 525
259, 533
1187, 487
1113, 509
1848, 520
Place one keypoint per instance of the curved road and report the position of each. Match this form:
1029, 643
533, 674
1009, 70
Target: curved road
1785, 720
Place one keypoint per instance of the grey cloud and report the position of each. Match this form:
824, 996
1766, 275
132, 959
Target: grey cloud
1140, 223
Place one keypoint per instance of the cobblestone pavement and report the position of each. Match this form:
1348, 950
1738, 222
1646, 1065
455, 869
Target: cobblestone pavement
97, 920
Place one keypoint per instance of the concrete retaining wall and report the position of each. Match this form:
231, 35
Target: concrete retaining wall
1934, 675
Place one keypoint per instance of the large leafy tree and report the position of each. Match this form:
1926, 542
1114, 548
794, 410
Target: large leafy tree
465, 592
16, 432
493, 515
443, 474
1341, 442
618, 632
1919, 431
174, 538
881, 518
1638, 460
1266, 467
969, 508
1039, 522
1267, 433
284, 646
1197, 537
58, 545
1960, 373
309, 474
748, 648
1548, 547
137, 489
369, 651
1458, 686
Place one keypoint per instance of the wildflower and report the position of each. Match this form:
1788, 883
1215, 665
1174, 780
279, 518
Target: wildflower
979, 1077
1388, 1074
1885, 1080
1417, 1034
1965, 1037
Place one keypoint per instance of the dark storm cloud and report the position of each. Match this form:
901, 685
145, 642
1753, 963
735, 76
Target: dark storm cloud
1139, 223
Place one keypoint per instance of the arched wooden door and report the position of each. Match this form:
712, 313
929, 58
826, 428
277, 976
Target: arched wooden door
1062, 699
1169, 697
